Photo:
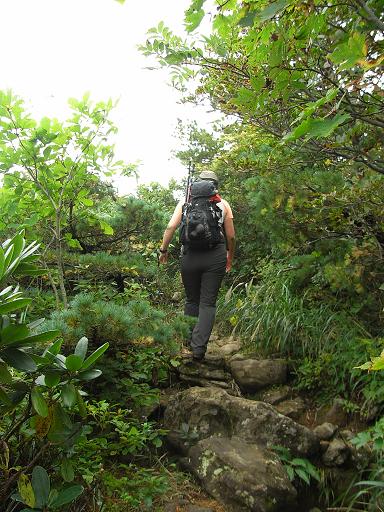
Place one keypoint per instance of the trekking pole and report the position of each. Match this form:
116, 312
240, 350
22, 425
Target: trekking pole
191, 170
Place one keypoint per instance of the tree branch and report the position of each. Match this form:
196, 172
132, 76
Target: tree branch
370, 15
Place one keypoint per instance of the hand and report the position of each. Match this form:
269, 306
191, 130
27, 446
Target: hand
163, 257
228, 266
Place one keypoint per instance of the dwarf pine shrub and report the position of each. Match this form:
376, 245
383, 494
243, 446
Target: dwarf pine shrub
121, 325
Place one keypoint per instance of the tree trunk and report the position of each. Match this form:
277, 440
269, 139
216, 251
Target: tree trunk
59, 260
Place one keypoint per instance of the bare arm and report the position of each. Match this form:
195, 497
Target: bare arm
169, 232
229, 229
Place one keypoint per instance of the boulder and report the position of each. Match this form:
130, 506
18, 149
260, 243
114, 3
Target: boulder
336, 414
245, 477
206, 373
292, 408
276, 395
206, 369
205, 383
325, 431
337, 453
212, 411
229, 349
254, 374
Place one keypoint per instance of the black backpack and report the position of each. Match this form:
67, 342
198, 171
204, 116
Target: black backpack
202, 219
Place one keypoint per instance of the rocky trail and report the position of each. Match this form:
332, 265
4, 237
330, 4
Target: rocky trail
234, 409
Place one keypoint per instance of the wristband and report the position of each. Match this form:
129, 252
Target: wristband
163, 251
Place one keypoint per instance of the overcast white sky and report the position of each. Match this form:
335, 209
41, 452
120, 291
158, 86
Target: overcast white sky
56, 49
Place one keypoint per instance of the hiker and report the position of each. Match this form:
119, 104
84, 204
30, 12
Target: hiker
203, 265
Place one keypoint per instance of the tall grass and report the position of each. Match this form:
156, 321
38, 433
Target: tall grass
270, 317
325, 342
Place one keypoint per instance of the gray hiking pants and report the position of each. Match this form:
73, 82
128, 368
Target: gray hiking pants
202, 273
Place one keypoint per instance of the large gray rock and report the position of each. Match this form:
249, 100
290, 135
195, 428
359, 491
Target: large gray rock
254, 374
212, 411
293, 408
243, 476
337, 453
275, 395
337, 414
325, 431
209, 372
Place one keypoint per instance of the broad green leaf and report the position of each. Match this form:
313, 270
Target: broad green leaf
291, 473
5, 376
245, 98
175, 58
2, 262
5, 398
377, 364
68, 394
81, 348
194, 15
317, 127
25, 489
13, 333
95, 356
303, 475
39, 338
66, 470
350, 52
81, 405
365, 366
42, 425
86, 201
312, 107
41, 486
276, 53
313, 472
51, 379
60, 419
18, 359
107, 229
54, 349
28, 269
89, 374
73, 362
39, 403
272, 9
67, 496
14, 305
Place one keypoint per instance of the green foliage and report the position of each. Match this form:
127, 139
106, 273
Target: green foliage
274, 64
132, 324
375, 364
38, 494
109, 458
368, 490
323, 343
50, 168
296, 468
163, 198
136, 487
200, 146
40, 393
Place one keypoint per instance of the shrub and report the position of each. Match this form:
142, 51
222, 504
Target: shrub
132, 324
41, 399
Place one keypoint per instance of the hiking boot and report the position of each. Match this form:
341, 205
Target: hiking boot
198, 357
